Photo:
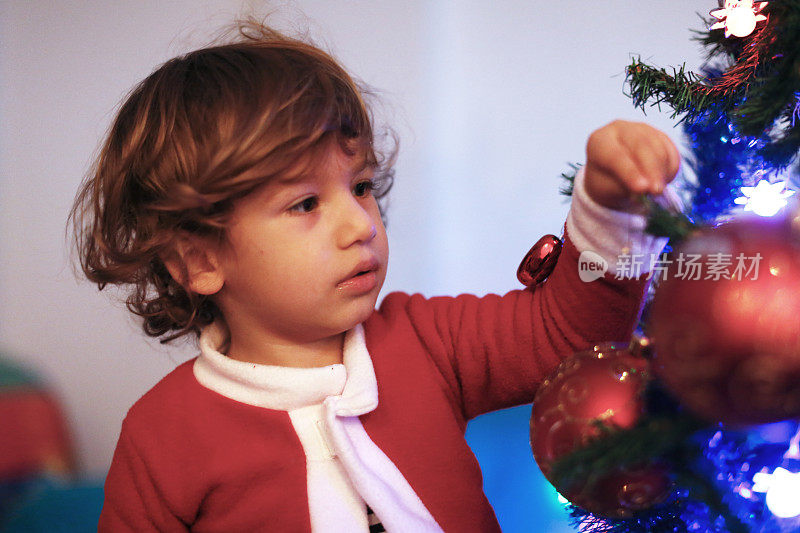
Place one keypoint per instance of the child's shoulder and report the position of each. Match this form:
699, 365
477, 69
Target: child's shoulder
396, 304
179, 406
394, 311
399, 306
169, 398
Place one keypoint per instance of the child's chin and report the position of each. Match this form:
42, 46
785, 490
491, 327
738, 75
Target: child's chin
365, 311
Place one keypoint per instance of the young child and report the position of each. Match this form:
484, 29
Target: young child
237, 193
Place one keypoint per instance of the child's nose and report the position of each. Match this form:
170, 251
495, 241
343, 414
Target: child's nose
356, 223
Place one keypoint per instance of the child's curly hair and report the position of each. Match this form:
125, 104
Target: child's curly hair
203, 130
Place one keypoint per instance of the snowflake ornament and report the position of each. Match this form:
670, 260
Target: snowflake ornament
765, 198
738, 17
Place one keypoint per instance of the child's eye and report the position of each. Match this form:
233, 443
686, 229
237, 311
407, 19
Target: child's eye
363, 187
305, 206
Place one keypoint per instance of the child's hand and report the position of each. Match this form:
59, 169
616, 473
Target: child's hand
625, 160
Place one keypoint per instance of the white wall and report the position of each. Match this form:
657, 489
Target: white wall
492, 100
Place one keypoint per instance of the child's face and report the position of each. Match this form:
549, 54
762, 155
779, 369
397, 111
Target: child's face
292, 244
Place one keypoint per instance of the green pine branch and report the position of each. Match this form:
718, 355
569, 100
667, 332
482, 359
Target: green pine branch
661, 222
645, 443
685, 92
569, 177
759, 91
655, 440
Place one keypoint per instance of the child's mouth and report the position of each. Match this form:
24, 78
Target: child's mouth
360, 283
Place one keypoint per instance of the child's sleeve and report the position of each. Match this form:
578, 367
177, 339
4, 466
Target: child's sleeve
493, 351
132, 500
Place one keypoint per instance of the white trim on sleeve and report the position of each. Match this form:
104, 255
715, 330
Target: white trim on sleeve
613, 234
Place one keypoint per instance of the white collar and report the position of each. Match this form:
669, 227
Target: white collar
285, 388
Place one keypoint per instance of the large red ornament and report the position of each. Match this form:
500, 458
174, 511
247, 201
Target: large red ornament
602, 385
729, 349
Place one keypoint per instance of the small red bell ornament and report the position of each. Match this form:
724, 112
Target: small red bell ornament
725, 322
540, 261
604, 385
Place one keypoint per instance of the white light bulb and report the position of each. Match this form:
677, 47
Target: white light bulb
783, 491
738, 17
765, 199
741, 21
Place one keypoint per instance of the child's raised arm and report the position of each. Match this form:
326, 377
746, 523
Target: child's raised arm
493, 351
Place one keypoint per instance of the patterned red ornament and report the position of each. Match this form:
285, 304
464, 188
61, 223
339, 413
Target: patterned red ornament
540, 261
729, 349
602, 385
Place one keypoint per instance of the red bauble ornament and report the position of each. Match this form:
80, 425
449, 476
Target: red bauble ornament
605, 385
540, 261
729, 349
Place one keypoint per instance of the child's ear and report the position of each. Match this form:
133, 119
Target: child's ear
194, 264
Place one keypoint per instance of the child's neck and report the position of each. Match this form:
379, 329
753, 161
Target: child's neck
265, 349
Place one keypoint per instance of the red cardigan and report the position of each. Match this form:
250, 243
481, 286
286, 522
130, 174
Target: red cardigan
190, 457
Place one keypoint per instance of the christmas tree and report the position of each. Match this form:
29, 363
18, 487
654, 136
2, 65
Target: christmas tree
700, 430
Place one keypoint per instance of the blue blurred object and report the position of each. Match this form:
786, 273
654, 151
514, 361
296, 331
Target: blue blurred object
50, 505
38, 487
523, 499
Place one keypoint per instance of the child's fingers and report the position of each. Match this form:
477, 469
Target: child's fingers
673, 157
650, 158
626, 160
612, 185
613, 159
670, 157
655, 155
608, 190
